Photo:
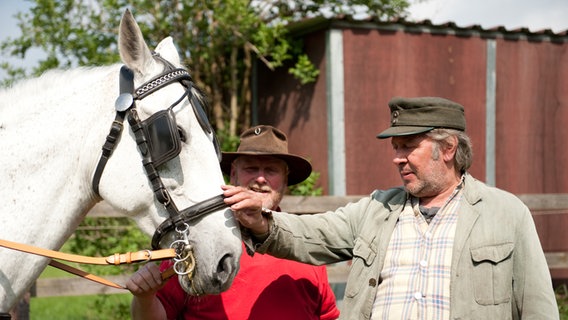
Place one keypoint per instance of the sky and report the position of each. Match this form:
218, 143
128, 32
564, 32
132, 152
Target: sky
511, 14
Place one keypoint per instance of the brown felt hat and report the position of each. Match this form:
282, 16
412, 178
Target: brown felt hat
268, 141
418, 115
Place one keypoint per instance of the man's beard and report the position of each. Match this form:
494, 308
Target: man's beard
270, 198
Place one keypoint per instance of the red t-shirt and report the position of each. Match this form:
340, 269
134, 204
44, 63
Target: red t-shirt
264, 288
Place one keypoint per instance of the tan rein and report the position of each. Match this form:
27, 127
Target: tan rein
115, 259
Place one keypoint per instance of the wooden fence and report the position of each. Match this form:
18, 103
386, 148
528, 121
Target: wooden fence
550, 212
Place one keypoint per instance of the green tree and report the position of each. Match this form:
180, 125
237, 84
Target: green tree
218, 39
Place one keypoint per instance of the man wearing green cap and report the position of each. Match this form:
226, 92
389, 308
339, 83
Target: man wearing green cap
442, 246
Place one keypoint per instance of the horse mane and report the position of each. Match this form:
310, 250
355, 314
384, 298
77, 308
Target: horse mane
39, 93
55, 79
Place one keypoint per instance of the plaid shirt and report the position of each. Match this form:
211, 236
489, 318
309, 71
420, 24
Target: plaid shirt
415, 280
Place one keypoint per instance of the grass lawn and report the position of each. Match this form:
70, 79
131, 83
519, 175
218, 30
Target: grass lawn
88, 307
98, 307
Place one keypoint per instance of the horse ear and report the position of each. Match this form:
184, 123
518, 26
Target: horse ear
168, 51
133, 50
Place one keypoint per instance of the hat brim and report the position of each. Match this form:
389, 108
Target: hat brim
403, 131
299, 168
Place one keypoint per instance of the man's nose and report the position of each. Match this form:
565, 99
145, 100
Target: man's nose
398, 158
261, 177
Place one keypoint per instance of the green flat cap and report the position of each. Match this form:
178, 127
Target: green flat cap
418, 115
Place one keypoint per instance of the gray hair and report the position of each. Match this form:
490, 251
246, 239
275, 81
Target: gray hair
464, 152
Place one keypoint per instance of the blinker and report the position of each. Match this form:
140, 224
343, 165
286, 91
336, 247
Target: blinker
162, 136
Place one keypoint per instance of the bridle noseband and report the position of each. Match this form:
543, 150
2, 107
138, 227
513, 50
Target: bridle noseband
158, 141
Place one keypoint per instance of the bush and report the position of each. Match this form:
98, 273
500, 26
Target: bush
562, 299
307, 187
103, 236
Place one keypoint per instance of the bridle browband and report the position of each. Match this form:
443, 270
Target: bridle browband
161, 124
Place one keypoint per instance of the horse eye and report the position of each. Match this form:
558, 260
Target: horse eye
182, 134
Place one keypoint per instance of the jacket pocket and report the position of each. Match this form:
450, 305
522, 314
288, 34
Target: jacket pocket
363, 256
492, 273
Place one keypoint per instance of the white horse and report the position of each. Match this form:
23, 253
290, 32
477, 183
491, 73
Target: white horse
52, 129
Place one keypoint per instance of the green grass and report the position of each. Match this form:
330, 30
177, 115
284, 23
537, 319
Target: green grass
88, 307
96, 307
562, 298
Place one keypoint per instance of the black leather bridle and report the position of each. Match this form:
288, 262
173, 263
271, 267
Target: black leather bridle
158, 141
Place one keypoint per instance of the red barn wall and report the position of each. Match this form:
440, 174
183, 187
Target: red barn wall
531, 103
532, 115
298, 110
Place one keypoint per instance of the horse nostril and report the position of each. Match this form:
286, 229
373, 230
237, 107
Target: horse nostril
224, 268
224, 263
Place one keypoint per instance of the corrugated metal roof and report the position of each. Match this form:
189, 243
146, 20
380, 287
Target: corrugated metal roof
426, 26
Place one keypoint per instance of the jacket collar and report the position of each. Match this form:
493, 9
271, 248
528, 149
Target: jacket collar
470, 192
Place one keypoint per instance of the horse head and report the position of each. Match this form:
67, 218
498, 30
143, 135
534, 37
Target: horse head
166, 158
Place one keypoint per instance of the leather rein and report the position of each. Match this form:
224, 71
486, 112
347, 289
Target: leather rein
115, 259
180, 250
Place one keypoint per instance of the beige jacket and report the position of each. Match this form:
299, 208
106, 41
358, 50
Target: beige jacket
498, 268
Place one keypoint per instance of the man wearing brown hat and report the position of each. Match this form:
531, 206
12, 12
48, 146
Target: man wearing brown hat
442, 246
265, 287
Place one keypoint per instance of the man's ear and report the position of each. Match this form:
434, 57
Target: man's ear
233, 175
449, 149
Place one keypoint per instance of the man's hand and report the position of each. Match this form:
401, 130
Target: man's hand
146, 281
144, 284
247, 208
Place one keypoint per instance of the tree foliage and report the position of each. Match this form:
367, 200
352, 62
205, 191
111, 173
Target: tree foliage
218, 39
